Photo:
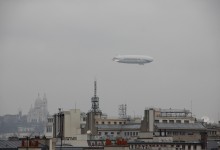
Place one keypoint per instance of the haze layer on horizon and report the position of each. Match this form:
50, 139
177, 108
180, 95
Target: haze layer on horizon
60, 47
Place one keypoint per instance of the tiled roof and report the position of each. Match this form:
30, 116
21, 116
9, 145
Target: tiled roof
9, 144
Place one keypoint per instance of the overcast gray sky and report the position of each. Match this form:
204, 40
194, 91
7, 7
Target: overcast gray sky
60, 47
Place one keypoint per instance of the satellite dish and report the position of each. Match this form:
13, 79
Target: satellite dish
206, 119
89, 132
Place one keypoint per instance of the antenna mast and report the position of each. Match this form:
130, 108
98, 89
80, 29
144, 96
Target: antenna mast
122, 111
191, 108
95, 88
95, 101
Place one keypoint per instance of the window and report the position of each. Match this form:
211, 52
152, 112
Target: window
109, 122
156, 121
103, 122
171, 121
120, 123
164, 121
50, 120
112, 133
49, 129
118, 133
186, 121
106, 133
115, 122
178, 121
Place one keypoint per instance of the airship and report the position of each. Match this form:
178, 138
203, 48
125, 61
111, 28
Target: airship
133, 59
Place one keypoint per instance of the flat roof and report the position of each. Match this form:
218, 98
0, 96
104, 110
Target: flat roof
118, 126
180, 126
174, 111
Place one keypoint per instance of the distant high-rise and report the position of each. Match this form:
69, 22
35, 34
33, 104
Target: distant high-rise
95, 101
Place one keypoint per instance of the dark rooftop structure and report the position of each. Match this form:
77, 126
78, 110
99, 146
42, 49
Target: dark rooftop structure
118, 126
180, 126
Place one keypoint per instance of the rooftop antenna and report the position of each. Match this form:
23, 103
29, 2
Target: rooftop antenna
95, 100
59, 110
122, 111
95, 88
191, 108
75, 106
218, 118
134, 114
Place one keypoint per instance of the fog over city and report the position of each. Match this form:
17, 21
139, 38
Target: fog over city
61, 47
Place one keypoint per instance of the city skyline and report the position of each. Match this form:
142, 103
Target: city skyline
59, 48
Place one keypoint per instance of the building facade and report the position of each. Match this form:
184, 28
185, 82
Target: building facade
66, 125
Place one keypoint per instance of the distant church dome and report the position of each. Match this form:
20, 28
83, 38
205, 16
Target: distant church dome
39, 112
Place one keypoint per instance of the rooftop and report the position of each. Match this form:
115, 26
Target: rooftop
9, 144
180, 126
119, 126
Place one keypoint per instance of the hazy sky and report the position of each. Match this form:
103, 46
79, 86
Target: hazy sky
60, 47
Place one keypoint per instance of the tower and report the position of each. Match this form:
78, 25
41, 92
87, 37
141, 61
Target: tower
122, 109
95, 101
45, 99
94, 113
45, 103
